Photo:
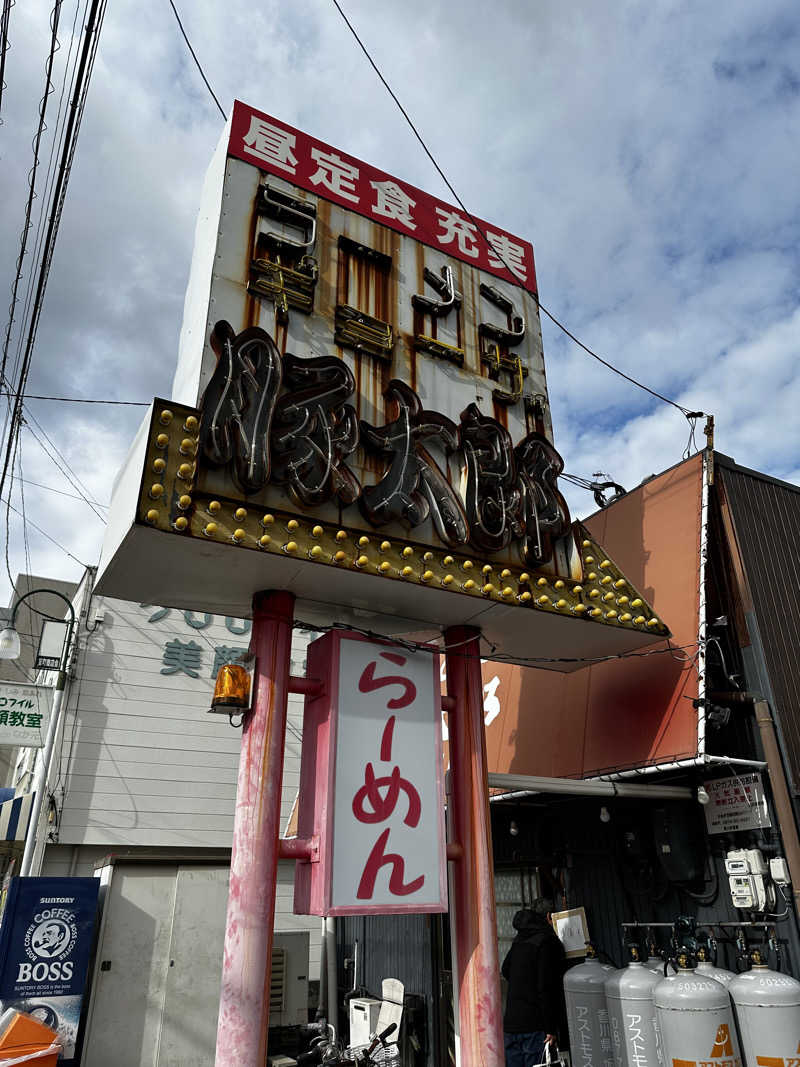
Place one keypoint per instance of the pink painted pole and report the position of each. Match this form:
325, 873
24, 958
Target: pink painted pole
477, 984
247, 956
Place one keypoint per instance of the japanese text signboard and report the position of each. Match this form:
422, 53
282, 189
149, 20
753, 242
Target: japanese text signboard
359, 413
736, 803
371, 790
24, 714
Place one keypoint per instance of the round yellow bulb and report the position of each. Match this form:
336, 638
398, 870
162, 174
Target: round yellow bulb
341, 535
264, 540
611, 614
558, 584
486, 569
363, 541
469, 584
427, 556
636, 603
162, 440
526, 596
505, 573
652, 623
590, 577
152, 515
577, 589
240, 514
622, 600
214, 507
608, 597
267, 520
165, 418
579, 609
156, 490
181, 523
541, 582
543, 600
524, 577
588, 559
385, 546
607, 580
191, 424
407, 572
561, 604
408, 552
340, 556
210, 529
625, 616
586, 544
594, 594
185, 471
447, 561
638, 620
427, 575
384, 567
290, 546
507, 591
362, 561
488, 588
448, 579
292, 525
316, 552
595, 612
619, 584
239, 535
187, 446
467, 565
317, 531
606, 563
184, 502
159, 465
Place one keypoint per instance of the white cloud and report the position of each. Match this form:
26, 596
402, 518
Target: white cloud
647, 150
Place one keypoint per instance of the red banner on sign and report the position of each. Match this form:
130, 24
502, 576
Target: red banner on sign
279, 149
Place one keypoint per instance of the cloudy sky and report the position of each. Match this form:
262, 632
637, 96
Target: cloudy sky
649, 151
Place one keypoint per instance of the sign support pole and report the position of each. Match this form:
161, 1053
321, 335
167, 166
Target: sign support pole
477, 985
247, 957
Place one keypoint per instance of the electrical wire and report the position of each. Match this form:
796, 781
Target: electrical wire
72, 496
556, 322
72, 478
81, 400
197, 61
38, 529
4, 46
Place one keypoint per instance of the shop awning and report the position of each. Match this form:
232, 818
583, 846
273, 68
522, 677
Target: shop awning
14, 817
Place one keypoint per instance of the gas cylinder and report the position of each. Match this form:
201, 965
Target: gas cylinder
695, 1019
587, 1013
710, 970
767, 1008
631, 1015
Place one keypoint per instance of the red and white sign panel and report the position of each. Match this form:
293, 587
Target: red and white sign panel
279, 149
371, 787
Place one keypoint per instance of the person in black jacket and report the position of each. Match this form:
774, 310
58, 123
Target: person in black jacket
534, 969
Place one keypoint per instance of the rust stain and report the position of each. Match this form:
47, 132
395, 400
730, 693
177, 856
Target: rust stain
500, 413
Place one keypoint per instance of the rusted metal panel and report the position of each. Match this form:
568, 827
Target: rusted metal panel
766, 517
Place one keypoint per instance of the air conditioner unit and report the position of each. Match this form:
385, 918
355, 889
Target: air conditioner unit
364, 1013
288, 991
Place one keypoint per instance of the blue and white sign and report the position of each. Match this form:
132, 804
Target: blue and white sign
46, 938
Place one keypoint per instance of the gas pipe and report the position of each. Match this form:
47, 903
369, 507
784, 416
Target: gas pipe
695, 1019
710, 970
587, 1012
767, 1008
629, 995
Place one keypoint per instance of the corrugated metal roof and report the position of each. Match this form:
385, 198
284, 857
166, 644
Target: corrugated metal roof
766, 517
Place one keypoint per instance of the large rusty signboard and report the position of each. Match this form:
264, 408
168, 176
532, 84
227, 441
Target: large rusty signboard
360, 414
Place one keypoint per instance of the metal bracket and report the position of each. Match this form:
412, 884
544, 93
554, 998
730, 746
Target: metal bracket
281, 207
287, 286
499, 338
445, 287
363, 333
501, 334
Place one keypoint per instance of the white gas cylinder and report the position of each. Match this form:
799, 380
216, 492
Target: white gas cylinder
587, 1013
767, 1007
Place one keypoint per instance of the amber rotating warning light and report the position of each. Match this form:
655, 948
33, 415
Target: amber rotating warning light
232, 689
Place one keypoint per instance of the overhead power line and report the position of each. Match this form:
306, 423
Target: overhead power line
197, 61
81, 400
4, 46
31, 523
476, 223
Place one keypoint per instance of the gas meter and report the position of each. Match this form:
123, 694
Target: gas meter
746, 869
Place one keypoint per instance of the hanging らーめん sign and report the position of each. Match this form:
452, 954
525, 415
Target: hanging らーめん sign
360, 414
371, 789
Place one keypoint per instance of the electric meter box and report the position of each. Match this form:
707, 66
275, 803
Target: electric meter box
364, 1013
746, 868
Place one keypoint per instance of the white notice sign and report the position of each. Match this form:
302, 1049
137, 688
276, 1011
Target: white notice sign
24, 714
736, 803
